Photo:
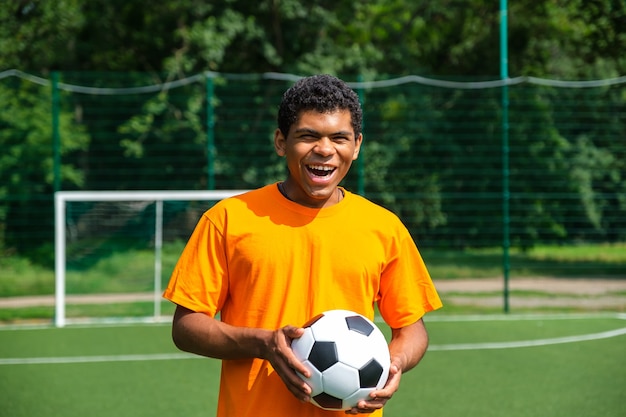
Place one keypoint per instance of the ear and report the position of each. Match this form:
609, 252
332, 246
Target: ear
357, 147
279, 142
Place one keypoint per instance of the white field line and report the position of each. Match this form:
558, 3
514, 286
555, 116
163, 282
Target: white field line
96, 359
447, 347
530, 343
177, 356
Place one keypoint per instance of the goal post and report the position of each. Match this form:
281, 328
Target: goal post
102, 216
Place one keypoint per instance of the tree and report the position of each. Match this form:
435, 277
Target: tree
26, 163
90, 41
38, 35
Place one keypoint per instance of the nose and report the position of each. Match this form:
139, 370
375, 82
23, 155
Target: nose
324, 146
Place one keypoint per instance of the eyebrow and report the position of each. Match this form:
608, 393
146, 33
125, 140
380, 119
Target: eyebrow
315, 132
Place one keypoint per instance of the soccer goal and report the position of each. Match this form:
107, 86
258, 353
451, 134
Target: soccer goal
112, 247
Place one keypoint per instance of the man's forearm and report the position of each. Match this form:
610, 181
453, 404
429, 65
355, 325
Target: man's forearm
203, 335
408, 345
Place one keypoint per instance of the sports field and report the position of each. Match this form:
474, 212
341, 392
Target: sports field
477, 366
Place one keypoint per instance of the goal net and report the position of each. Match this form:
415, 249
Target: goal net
114, 251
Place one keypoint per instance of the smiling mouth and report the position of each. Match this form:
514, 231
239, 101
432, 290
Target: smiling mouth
320, 170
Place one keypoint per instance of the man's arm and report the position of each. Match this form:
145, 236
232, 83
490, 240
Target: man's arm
203, 335
408, 345
407, 348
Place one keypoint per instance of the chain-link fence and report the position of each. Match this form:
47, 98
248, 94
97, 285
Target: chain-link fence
466, 164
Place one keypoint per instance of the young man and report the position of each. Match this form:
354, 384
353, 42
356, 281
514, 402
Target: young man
270, 259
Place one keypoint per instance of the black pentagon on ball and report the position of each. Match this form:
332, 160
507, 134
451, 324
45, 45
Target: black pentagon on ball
328, 401
323, 355
370, 373
360, 325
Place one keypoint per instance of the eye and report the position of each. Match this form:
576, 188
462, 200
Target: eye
307, 136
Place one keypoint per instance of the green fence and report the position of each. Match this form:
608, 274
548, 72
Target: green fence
436, 152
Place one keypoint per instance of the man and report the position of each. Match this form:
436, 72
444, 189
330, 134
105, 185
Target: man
270, 259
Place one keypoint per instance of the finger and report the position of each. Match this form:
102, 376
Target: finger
291, 333
296, 385
365, 407
287, 365
302, 393
392, 384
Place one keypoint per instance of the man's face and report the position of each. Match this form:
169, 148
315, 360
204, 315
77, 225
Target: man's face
319, 149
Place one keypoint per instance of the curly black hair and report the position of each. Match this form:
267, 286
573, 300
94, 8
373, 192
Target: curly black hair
322, 93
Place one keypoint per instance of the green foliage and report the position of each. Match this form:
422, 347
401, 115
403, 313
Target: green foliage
574, 39
26, 137
160, 140
39, 35
27, 161
22, 277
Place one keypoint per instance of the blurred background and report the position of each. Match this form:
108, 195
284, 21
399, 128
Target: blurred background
515, 174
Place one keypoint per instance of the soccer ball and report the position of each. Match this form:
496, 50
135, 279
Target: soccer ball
347, 356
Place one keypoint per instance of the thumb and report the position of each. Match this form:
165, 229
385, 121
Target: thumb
293, 332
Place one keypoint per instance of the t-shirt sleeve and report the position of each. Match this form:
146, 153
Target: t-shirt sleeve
407, 291
199, 281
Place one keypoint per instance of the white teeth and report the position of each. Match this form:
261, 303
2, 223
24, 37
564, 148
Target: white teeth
321, 167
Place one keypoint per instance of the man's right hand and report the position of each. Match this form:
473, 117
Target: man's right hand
285, 362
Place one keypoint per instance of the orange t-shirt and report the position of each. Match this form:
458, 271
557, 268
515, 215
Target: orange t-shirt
263, 261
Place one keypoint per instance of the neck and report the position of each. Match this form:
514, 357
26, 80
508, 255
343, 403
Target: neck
334, 199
